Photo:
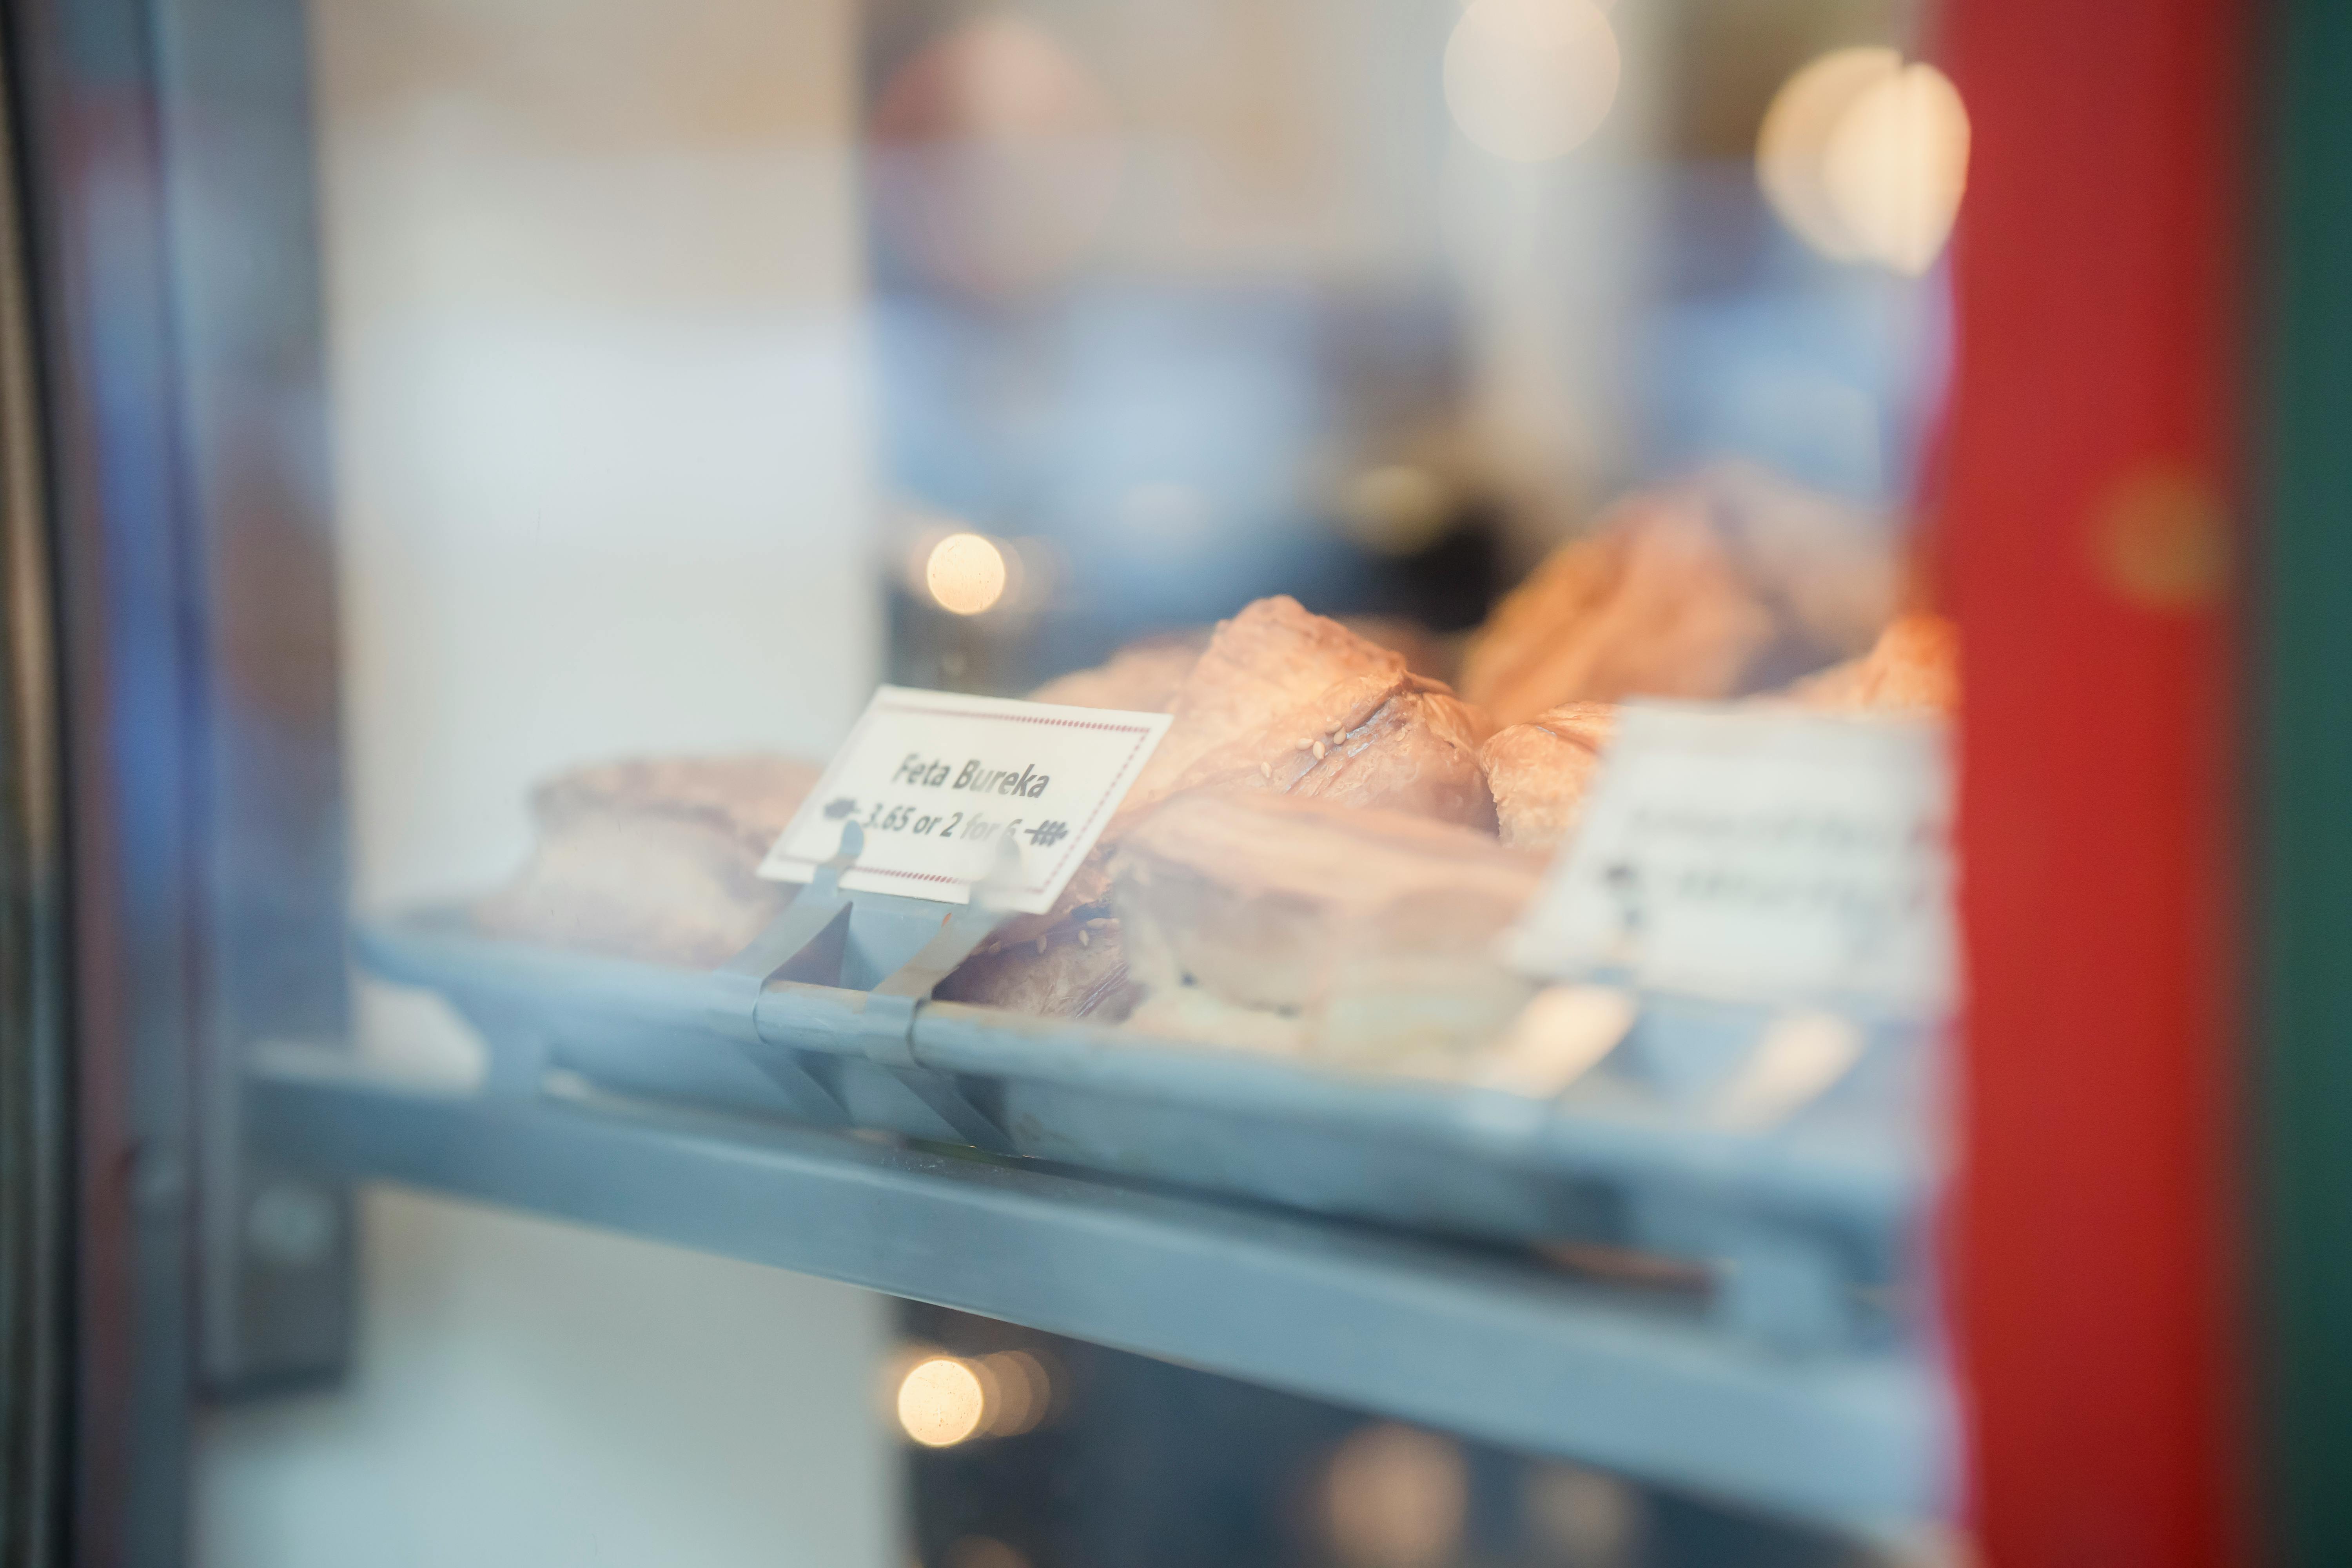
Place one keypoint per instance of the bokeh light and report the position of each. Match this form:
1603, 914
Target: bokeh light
940, 1399
1589, 1517
1800, 1056
1562, 1033
965, 573
1865, 158
996, 158
1021, 1391
1897, 166
1395, 1498
2161, 540
940, 1402
1795, 136
1397, 509
1531, 80
981, 1552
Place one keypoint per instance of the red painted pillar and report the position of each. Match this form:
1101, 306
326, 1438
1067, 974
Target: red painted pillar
2087, 536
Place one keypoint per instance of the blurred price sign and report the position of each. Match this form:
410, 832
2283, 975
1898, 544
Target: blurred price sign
1760, 854
942, 783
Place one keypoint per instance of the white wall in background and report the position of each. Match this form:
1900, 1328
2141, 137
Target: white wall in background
601, 453
601, 415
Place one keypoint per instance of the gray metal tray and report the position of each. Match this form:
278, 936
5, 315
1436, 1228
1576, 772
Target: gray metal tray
1796, 1234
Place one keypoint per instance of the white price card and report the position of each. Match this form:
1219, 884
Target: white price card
942, 784
1761, 854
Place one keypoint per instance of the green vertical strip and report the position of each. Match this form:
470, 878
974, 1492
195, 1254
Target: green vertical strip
2304, 798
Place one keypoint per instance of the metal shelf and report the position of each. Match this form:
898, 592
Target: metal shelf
1476, 1342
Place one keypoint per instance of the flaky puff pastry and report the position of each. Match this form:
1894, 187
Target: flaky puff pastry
653, 858
1914, 665
1726, 583
1292, 703
1540, 771
1284, 702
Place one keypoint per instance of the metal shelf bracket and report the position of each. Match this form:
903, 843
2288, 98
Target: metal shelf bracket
829, 937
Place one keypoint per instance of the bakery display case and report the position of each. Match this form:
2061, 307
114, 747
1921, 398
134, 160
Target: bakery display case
1431, 783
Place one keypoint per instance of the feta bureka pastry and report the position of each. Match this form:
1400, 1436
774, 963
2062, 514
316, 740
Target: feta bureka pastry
1287, 703
653, 858
1914, 665
1726, 583
1297, 925
1540, 771
1280, 701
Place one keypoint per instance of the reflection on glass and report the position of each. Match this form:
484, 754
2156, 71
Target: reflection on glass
965, 573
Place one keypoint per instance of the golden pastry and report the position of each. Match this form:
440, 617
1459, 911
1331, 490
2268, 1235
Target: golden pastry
653, 860
1540, 771
1729, 582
